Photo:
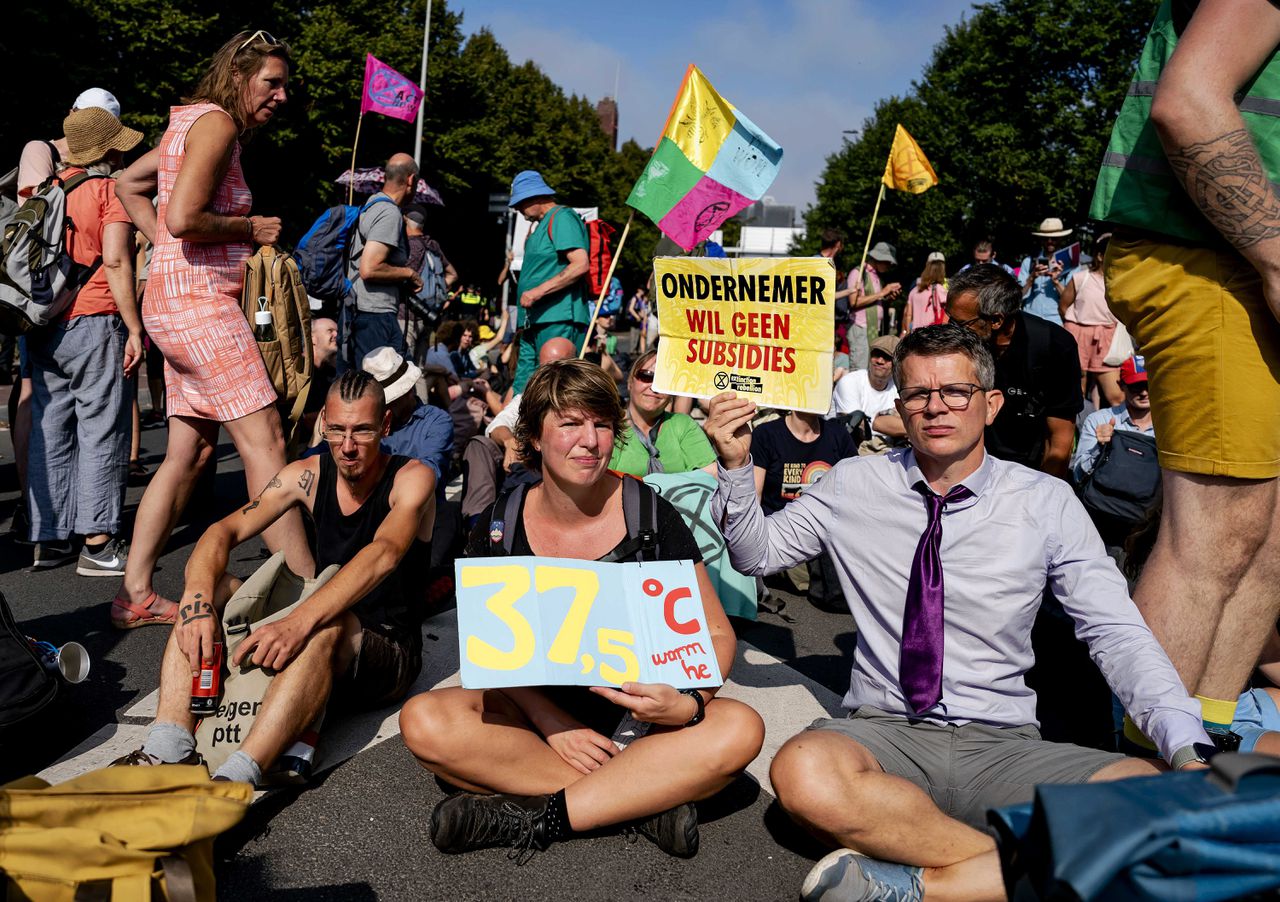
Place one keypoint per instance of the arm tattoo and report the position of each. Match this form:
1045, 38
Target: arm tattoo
1226, 181
305, 480
274, 483
197, 610
254, 503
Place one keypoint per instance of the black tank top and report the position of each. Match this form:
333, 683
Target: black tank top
396, 605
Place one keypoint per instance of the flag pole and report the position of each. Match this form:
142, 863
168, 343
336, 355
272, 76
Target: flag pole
867, 247
422, 85
862, 265
604, 289
351, 185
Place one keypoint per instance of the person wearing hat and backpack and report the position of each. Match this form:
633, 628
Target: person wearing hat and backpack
1044, 279
79, 448
866, 306
553, 287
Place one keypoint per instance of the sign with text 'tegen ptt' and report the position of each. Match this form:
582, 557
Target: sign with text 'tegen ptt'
534, 621
759, 326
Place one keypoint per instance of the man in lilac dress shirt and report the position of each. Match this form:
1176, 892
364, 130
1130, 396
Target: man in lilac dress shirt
941, 724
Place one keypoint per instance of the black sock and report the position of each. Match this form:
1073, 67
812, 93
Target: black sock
95, 547
558, 819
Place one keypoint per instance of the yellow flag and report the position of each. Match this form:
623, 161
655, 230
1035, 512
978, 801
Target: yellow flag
907, 168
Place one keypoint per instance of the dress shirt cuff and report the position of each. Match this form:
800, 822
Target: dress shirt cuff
729, 494
1174, 730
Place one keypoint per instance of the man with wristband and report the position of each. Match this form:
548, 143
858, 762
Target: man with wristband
941, 723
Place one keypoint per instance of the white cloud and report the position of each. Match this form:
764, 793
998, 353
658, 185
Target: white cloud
803, 70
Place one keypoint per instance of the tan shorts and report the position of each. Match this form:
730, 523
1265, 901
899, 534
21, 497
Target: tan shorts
970, 768
1212, 349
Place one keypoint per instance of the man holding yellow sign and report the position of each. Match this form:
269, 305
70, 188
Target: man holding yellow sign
759, 327
536, 758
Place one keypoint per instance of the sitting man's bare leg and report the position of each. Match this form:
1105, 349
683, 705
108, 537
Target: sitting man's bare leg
836, 789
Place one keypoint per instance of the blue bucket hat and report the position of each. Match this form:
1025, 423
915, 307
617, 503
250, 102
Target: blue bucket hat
526, 185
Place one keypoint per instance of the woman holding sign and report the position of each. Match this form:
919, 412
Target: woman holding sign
538, 763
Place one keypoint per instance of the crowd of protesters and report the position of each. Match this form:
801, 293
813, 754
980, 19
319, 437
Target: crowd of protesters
987, 399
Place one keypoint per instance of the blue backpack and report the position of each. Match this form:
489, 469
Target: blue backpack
321, 253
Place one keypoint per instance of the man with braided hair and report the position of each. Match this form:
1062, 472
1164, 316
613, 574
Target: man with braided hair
358, 635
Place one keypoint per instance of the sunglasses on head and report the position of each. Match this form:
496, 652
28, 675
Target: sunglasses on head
261, 35
644, 375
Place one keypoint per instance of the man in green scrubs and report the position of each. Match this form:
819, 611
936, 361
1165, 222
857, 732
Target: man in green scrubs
553, 285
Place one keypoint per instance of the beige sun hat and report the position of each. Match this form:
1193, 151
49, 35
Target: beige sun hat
93, 132
395, 374
1052, 228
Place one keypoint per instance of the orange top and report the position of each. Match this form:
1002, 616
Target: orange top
90, 208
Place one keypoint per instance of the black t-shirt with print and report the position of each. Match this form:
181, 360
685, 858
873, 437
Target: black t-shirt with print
1039, 373
791, 465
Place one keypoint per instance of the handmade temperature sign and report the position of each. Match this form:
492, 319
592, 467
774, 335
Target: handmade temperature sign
531, 621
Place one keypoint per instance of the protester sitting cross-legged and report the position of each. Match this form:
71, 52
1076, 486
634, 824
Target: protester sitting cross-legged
941, 724
214, 374
358, 635
82, 362
658, 440
545, 752
1133, 414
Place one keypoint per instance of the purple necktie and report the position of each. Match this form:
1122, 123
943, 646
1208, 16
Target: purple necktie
920, 661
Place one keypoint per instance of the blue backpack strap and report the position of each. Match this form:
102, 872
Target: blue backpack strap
506, 517
640, 511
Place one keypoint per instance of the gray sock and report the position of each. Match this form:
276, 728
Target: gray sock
169, 742
240, 768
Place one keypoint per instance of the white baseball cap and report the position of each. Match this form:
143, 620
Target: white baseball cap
100, 98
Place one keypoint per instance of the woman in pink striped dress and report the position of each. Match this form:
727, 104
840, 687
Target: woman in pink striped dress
214, 376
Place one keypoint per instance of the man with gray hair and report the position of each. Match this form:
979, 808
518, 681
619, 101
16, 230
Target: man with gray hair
941, 723
1037, 370
378, 268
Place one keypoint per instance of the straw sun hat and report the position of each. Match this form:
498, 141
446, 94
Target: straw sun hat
93, 132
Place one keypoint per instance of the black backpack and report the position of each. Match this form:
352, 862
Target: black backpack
639, 509
1125, 484
25, 686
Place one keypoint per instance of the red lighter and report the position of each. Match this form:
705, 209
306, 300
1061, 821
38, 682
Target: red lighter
207, 684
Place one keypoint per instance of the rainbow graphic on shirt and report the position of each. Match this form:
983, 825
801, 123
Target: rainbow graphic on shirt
710, 163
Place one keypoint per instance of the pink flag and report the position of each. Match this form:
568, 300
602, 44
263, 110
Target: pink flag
388, 92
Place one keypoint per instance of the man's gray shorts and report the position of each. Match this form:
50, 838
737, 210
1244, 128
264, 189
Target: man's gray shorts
968, 769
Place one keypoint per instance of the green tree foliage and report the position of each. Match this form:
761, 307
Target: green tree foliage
486, 117
1014, 111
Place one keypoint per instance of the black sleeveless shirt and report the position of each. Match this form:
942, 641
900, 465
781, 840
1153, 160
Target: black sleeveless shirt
396, 605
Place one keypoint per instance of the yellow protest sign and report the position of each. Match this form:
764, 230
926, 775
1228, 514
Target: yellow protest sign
759, 326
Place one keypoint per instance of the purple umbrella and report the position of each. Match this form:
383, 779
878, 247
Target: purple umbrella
369, 181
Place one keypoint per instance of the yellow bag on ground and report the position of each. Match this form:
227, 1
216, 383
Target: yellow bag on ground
116, 834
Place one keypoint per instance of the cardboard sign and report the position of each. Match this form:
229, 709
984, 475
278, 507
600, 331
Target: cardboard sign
533, 621
761, 327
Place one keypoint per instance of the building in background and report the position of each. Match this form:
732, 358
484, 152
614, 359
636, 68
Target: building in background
607, 113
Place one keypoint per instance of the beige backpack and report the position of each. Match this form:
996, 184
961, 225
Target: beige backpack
272, 283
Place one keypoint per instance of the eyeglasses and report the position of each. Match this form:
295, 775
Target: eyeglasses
335, 436
956, 396
644, 375
966, 323
265, 36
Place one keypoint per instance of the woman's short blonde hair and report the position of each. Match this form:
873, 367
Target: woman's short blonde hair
572, 384
243, 55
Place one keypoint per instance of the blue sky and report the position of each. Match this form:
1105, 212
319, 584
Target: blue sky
803, 70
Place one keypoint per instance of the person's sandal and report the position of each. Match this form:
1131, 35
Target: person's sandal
125, 615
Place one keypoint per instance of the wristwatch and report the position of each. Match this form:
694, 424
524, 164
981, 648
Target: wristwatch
702, 707
1199, 753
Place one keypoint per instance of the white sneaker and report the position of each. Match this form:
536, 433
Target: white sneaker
848, 876
108, 561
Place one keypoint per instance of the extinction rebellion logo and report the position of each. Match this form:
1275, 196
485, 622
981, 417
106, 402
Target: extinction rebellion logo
737, 382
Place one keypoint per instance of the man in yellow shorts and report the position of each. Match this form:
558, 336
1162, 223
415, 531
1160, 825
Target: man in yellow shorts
1188, 184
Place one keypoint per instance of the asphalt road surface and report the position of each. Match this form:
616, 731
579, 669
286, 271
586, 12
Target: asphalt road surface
359, 832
